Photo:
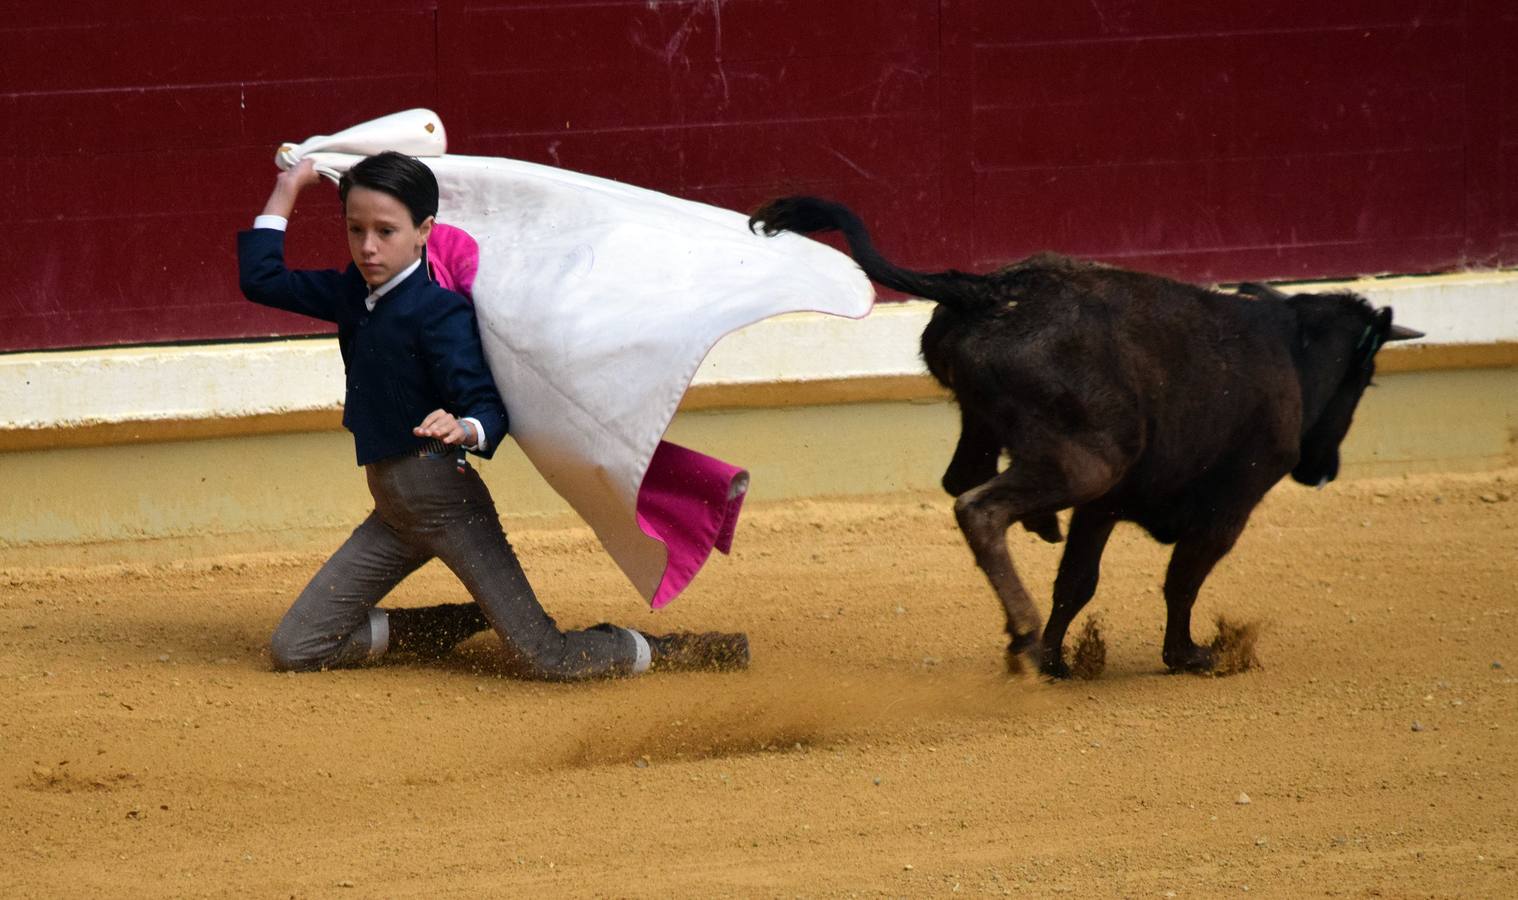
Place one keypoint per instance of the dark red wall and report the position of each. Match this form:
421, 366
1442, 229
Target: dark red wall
1212, 141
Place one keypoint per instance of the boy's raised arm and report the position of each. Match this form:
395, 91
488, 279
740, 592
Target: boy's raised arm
262, 273
287, 188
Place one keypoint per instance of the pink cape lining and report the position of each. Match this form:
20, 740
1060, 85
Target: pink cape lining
688, 501
454, 257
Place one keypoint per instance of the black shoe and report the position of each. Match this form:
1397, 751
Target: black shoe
712, 651
432, 631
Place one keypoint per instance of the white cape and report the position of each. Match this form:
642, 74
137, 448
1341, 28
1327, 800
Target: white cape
597, 302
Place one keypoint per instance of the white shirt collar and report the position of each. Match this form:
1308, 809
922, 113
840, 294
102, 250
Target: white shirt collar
382, 290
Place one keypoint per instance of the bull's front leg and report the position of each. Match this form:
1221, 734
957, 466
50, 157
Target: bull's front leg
1074, 586
1191, 562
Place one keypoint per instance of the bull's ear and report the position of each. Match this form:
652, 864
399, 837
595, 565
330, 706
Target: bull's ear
1395, 332
1260, 291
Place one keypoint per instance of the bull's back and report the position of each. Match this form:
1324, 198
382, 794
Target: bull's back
1220, 405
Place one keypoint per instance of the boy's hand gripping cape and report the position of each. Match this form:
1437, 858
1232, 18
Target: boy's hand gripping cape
597, 302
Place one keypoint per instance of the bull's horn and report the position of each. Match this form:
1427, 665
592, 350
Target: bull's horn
1401, 333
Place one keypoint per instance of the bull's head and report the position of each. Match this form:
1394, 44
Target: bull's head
1339, 337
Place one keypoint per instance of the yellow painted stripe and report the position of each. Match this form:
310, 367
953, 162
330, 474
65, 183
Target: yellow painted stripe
1439, 357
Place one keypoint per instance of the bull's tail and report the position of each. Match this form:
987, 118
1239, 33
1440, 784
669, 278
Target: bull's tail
809, 215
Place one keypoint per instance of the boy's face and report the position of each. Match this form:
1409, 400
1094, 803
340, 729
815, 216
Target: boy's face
380, 234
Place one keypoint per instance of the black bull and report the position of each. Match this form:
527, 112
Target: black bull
1127, 397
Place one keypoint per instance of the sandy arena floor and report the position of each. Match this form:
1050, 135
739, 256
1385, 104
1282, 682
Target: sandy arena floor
875, 747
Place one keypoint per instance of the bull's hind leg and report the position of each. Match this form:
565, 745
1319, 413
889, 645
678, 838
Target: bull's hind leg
1045, 525
1190, 564
975, 459
1075, 584
975, 455
1032, 487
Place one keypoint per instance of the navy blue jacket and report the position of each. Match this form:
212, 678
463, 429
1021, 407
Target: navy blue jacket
418, 351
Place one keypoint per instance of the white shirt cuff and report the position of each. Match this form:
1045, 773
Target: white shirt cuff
278, 223
481, 444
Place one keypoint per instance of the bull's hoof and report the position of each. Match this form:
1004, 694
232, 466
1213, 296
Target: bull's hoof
1019, 664
1194, 660
1051, 663
1056, 669
1024, 655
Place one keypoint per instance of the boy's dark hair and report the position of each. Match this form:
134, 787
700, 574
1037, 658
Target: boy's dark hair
398, 175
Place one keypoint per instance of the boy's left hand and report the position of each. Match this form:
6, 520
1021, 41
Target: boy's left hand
442, 425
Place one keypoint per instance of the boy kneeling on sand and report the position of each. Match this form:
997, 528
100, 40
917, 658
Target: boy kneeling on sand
419, 394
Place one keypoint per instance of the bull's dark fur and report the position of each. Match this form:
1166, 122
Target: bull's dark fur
1124, 396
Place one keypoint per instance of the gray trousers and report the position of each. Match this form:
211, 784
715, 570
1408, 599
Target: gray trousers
426, 507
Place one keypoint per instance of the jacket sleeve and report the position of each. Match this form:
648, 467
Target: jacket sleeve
262, 275
451, 341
